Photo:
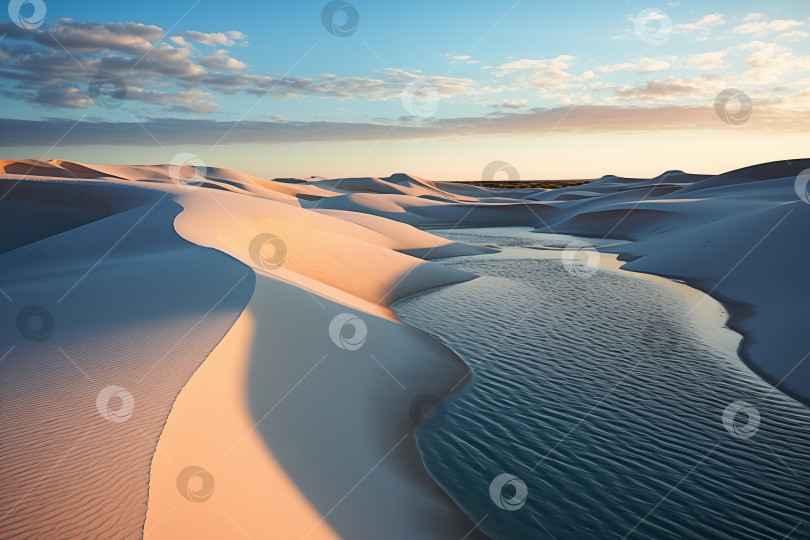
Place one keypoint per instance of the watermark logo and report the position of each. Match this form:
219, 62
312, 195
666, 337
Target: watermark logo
802, 186
498, 487
496, 167
340, 18
733, 106
580, 259
268, 251
420, 99
653, 26
195, 484
28, 14
115, 404
741, 419
107, 90
428, 411
35, 323
187, 170
348, 331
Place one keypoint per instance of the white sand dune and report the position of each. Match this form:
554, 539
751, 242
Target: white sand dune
137, 322
738, 236
350, 420
290, 428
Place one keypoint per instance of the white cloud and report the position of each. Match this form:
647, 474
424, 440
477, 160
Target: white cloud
672, 88
651, 65
546, 75
514, 103
160, 73
462, 58
771, 62
180, 42
794, 35
708, 60
760, 27
643, 66
221, 60
703, 24
558, 64
625, 66
224, 39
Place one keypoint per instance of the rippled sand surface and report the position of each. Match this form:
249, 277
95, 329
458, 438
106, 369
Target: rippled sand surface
89, 378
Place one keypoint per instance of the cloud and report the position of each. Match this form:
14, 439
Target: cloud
224, 39
625, 66
447, 87
652, 65
795, 35
759, 26
58, 97
221, 60
702, 25
671, 88
462, 58
193, 100
643, 66
130, 37
514, 103
708, 60
180, 42
547, 75
556, 65
771, 63
37, 68
771, 117
193, 72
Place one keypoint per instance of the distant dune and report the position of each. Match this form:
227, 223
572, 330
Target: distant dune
177, 338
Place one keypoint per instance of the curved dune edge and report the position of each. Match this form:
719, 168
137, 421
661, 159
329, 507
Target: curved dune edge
133, 328
343, 249
301, 438
251, 493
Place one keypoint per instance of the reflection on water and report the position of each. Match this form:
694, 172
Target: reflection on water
605, 405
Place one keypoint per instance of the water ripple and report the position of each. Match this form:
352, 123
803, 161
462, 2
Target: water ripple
606, 396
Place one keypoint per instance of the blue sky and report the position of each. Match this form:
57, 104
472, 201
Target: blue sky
558, 89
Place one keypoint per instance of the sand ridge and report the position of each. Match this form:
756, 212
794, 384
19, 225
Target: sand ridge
307, 429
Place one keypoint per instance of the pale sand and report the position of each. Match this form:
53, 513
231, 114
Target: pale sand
333, 454
333, 450
319, 462
141, 320
340, 447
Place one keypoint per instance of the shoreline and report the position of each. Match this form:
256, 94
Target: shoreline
738, 312
701, 311
343, 422
384, 474
733, 313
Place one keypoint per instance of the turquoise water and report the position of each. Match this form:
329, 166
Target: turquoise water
604, 395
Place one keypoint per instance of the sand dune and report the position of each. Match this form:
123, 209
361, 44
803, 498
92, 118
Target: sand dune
290, 427
136, 322
144, 297
738, 236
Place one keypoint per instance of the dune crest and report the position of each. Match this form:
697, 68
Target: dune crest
306, 431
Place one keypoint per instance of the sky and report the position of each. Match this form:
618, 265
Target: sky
441, 90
